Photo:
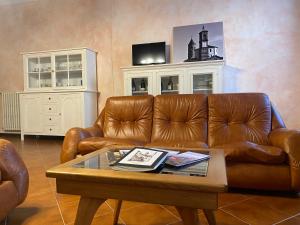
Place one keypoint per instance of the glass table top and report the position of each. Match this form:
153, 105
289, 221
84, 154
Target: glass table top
106, 160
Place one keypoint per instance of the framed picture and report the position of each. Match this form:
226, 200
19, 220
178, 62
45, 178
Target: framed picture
199, 42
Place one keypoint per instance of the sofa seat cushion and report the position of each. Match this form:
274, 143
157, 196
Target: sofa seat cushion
91, 144
176, 144
253, 153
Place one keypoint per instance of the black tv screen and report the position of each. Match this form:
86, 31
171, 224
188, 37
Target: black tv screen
150, 53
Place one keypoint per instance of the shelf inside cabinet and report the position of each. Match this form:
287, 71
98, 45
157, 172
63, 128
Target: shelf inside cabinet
169, 91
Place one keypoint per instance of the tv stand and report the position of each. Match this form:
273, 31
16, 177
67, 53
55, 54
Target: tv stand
178, 78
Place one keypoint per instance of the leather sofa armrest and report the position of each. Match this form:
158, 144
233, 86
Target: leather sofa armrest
13, 169
289, 141
73, 137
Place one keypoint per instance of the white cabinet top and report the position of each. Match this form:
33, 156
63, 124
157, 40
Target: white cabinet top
57, 50
175, 65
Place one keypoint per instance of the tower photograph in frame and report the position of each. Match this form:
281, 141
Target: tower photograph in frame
200, 42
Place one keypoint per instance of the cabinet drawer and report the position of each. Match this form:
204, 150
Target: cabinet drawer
51, 109
51, 98
52, 129
51, 120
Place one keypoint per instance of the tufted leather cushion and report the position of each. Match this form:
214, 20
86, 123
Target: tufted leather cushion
180, 118
238, 117
253, 153
129, 117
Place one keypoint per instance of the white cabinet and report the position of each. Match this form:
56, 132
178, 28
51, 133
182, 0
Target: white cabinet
182, 78
55, 113
59, 91
60, 70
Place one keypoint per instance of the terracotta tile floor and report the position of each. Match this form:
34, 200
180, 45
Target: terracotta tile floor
44, 206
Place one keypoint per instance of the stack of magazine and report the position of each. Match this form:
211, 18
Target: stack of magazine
166, 161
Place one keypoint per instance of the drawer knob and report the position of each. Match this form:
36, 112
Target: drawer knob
50, 119
49, 98
49, 108
50, 129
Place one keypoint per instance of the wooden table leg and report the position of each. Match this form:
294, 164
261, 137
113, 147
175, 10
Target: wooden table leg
117, 211
86, 210
189, 216
210, 216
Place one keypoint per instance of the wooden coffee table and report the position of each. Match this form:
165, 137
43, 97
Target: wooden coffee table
96, 185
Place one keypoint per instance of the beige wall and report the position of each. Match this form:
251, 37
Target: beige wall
262, 39
55, 24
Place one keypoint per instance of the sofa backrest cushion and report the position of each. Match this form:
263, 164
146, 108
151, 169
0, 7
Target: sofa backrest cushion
238, 117
129, 117
180, 118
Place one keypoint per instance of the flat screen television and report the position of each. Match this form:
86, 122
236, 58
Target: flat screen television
149, 53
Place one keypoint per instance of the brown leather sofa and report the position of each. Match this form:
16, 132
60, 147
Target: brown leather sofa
260, 152
13, 179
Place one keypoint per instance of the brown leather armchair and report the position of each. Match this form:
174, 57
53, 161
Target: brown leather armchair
14, 178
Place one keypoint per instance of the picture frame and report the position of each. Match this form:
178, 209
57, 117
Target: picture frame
200, 42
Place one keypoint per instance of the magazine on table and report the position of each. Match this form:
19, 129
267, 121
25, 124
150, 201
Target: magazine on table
141, 159
195, 169
186, 158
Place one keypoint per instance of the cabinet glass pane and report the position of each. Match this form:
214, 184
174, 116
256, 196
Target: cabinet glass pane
45, 80
61, 62
33, 80
45, 64
75, 62
62, 79
33, 65
139, 86
169, 85
203, 83
75, 78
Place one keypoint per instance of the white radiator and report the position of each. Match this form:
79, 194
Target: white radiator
10, 111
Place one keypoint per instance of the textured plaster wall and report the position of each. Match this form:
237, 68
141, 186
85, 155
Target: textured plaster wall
262, 39
55, 24
262, 42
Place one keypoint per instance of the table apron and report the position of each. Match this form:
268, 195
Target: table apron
165, 196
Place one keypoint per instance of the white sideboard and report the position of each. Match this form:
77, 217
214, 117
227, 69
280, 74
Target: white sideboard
59, 91
54, 113
181, 78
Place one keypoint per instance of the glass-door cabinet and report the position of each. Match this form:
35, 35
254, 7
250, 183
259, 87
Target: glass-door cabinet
68, 70
59, 70
170, 82
139, 84
202, 83
39, 72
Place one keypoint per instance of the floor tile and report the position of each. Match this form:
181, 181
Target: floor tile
35, 215
255, 213
125, 204
231, 198
222, 218
69, 204
291, 221
148, 214
288, 205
